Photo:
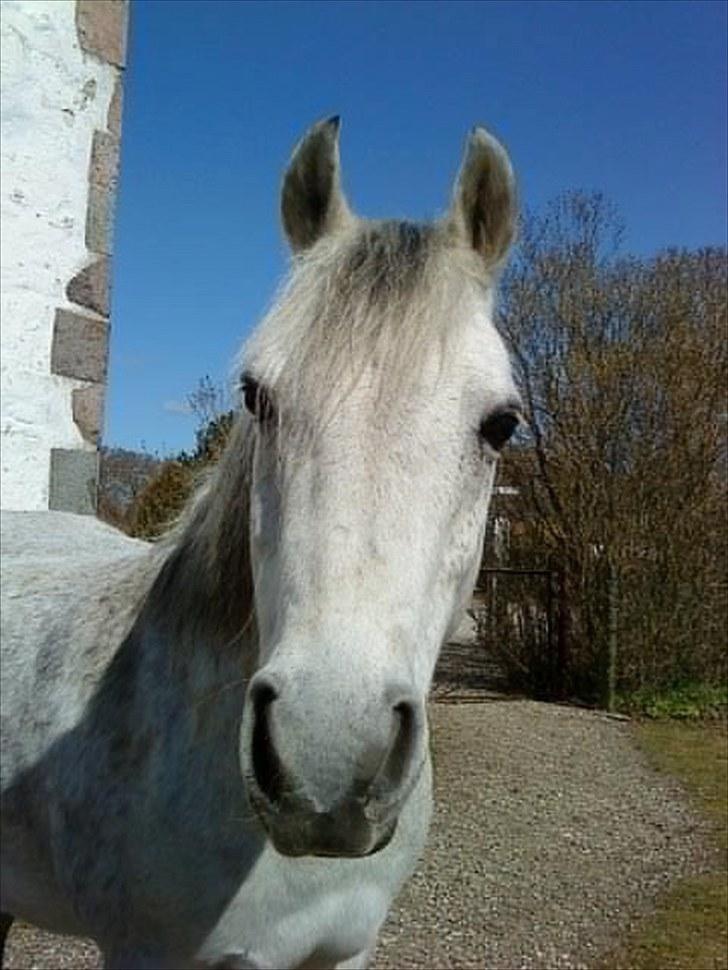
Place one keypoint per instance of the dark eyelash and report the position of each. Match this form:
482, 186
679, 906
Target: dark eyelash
256, 399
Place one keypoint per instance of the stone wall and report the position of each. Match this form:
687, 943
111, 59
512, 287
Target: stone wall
61, 68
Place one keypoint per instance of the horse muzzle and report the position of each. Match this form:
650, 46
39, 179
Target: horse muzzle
326, 789
297, 829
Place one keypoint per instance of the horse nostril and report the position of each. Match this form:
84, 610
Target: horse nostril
402, 749
267, 767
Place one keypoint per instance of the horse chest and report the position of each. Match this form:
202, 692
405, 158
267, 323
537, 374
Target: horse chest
318, 912
313, 914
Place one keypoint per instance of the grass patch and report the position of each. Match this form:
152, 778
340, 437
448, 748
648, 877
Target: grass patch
689, 929
690, 702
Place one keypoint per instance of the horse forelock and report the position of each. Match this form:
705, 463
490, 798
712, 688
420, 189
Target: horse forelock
379, 297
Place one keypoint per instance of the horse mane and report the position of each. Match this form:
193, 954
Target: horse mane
204, 586
379, 296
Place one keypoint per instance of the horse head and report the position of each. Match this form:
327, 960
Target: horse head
378, 395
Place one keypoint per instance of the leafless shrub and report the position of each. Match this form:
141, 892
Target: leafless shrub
623, 364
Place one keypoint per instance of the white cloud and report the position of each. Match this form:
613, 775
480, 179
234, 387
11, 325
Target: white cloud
177, 407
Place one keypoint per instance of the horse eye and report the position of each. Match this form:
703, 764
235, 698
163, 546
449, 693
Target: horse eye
256, 399
498, 428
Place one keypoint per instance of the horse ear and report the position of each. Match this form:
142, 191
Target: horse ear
312, 203
484, 210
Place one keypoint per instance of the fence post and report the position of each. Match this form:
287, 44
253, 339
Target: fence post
562, 630
553, 685
611, 664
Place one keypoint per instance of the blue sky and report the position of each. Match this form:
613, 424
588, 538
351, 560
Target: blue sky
625, 97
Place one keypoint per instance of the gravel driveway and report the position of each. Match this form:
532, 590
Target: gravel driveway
551, 835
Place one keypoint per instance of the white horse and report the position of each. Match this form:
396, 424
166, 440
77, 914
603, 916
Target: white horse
215, 749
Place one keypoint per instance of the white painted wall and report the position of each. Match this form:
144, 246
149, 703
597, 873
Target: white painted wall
53, 97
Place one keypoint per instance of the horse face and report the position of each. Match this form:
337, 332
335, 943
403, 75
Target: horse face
366, 522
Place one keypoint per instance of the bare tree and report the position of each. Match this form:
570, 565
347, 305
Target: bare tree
208, 401
623, 363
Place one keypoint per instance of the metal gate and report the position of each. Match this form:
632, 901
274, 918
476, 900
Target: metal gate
518, 636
